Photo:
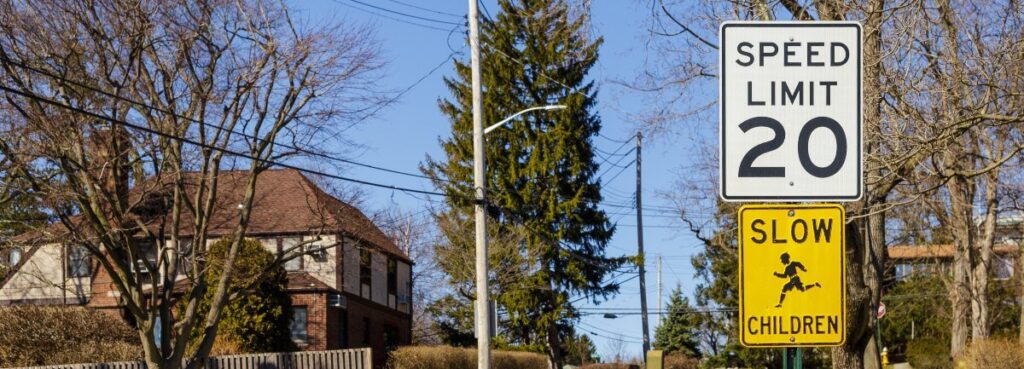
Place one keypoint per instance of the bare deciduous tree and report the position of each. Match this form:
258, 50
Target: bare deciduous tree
938, 91
135, 106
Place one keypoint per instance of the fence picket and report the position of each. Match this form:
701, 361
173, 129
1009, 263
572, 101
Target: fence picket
333, 359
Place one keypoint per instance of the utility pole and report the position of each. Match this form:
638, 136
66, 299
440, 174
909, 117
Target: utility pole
657, 320
640, 249
483, 324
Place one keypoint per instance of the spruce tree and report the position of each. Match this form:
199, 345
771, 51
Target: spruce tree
678, 333
541, 174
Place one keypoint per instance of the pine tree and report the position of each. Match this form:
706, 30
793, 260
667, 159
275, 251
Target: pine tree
541, 173
678, 333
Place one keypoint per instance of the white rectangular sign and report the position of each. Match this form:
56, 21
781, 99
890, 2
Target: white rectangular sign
790, 100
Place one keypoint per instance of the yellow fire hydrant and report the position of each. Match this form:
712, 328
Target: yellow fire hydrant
885, 356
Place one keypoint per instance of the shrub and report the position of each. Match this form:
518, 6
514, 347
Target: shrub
610, 366
681, 362
48, 335
255, 322
994, 353
447, 357
928, 353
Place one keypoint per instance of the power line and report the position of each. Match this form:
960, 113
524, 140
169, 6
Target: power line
211, 147
588, 326
626, 141
487, 12
406, 14
428, 9
621, 171
339, 2
197, 121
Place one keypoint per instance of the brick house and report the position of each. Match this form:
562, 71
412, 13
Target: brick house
907, 260
351, 289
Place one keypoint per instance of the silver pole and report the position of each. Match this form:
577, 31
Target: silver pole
483, 325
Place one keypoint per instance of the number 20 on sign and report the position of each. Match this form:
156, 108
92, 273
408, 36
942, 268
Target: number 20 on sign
792, 268
790, 125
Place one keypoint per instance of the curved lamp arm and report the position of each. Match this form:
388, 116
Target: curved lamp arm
524, 111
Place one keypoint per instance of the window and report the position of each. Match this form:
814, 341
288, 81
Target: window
184, 256
287, 245
298, 324
390, 338
365, 276
392, 277
15, 256
1002, 267
366, 331
78, 262
903, 271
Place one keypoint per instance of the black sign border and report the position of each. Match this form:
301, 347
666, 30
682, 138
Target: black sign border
860, 113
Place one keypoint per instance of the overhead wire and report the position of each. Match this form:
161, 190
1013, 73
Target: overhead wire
428, 9
211, 147
426, 26
321, 155
406, 14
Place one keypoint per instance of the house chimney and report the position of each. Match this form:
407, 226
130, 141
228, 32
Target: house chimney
110, 162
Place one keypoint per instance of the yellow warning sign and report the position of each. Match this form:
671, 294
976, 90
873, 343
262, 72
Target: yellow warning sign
792, 266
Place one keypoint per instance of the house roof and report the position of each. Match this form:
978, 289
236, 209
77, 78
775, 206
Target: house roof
285, 202
936, 251
302, 281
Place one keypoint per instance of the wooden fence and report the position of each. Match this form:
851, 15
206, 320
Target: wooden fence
333, 359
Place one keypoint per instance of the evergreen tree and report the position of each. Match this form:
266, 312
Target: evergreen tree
580, 350
678, 332
259, 319
541, 173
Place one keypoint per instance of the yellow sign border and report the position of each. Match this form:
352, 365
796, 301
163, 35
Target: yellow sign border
842, 258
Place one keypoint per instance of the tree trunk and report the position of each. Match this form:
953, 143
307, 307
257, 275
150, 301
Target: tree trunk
982, 261
1020, 273
863, 276
865, 245
961, 224
554, 347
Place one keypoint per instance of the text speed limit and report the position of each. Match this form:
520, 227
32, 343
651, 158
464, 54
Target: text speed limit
790, 111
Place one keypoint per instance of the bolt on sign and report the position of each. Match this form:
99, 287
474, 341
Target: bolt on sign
792, 266
790, 104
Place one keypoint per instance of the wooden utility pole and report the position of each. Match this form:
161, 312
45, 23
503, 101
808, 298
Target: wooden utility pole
483, 324
660, 311
640, 249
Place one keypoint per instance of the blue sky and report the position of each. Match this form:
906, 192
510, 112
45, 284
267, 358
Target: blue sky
403, 134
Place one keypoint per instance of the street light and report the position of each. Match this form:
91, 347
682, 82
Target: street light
524, 111
483, 313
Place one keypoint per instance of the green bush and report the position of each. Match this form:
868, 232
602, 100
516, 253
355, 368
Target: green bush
49, 335
447, 357
258, 321
925, 353
994, 353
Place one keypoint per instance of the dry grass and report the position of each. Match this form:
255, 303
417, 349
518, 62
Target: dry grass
994, 353
446, 357
43, 335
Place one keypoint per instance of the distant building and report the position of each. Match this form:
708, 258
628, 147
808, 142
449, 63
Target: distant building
907, 260
351, 290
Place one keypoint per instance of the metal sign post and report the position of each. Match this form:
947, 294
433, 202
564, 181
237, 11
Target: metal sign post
791, 130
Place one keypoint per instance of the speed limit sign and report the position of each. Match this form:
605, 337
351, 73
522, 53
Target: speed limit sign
790, 100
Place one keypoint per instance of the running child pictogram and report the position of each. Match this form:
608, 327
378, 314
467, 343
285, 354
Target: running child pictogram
794, 279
